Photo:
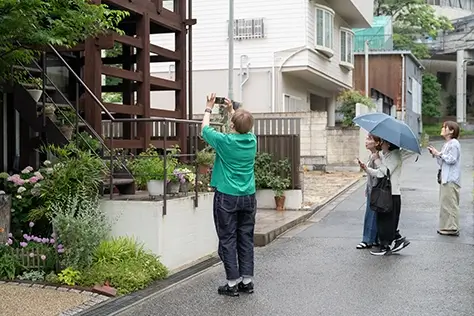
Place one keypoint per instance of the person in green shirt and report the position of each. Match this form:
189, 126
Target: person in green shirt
234, 199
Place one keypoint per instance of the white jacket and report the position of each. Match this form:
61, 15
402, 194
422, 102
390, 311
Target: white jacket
391, 160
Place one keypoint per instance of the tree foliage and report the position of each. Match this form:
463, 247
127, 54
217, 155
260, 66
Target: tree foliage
28, 25
431, 96
413, 19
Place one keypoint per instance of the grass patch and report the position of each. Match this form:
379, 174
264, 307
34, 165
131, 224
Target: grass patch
435, 129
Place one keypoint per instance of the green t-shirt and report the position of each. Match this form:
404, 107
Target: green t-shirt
233, 171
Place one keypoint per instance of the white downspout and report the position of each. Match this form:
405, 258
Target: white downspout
299, 50
403, 87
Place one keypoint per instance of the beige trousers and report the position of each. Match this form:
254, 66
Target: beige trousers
449, 210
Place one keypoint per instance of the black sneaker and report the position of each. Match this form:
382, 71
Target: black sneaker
381, 252
398, 244
246, 288
228, 290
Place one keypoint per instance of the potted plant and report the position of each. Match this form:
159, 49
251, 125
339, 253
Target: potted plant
279, 185
67, 119
49, 111
205, 159
186, 176
148, 171
34, 86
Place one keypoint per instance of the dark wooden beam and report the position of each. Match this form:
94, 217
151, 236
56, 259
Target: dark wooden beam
133, 59
124, 109
160, 84
143, 65
129, 40
167, 53
125, 143
122, 73
166, 19
164, 113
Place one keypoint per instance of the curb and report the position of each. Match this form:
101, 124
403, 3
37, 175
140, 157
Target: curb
261, 240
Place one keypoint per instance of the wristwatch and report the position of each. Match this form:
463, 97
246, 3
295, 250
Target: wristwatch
208, 110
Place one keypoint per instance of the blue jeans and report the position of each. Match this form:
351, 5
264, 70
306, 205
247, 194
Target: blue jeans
370, 224
234, 217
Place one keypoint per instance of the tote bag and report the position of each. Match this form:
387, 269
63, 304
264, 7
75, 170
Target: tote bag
381, 195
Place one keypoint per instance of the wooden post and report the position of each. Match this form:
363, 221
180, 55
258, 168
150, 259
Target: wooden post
5, 217
143, 65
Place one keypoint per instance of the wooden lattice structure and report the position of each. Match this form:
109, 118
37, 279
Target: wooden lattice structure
146, 17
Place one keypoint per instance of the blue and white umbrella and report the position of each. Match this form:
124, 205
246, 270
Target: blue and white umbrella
389, 129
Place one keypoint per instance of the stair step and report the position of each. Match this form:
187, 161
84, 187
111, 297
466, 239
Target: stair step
29, 69
33, 86
59, 105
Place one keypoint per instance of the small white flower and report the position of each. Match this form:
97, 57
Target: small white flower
37, 185
24, 171
2, 192
21, 189
49, 170
47, 163
18, 197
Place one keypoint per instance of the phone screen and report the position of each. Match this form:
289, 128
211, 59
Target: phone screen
219, 100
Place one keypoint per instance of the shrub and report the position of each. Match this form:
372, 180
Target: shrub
125, 265
81, 225
271, 174
9, 263
348, 100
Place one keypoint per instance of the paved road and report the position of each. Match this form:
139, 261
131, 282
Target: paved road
316, 270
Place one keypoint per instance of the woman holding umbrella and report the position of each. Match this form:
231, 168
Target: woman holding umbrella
369, 235
390, 159
449, 161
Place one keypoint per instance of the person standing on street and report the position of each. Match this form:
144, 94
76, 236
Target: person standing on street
449, 161
234, 200
369, 235
390, 159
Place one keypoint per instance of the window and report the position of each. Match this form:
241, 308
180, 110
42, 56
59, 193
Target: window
410, 84
249, 28
291, 103
324, 30
417, 97
347, 48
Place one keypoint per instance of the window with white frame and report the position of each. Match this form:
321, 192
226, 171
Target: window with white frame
347, 46
416, 97
410, 84
291, 103
324, 21
249, 28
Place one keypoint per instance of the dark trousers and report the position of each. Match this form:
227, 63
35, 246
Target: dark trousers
234, 217
387, 223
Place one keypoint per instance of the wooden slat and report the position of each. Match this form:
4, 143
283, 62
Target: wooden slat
129, 40
165, 113
167, 53
124, 109
163, 84
125, 143
159, 143
133, 59
166, 19
121, 73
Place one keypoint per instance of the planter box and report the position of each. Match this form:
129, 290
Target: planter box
182, 236
266, 199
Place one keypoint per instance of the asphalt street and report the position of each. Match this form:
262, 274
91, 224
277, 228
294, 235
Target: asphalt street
315, 269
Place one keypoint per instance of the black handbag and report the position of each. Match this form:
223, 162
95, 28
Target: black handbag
381, 195
439, 176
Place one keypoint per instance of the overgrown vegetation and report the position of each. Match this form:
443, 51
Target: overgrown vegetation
431, 96
348, 100
412, 20
271, 174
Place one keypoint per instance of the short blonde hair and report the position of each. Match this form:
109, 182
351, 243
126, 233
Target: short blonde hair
243, 121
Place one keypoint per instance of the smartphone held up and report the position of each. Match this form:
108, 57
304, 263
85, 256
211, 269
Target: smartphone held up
221, 101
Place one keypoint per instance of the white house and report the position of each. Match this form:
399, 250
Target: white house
289, 55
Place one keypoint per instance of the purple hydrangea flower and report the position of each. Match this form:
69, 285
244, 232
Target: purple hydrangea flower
10, 241
51, 241
27, 237
23, 244
60, 250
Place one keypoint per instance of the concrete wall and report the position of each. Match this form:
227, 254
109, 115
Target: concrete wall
342, 148
413, 111
185, 234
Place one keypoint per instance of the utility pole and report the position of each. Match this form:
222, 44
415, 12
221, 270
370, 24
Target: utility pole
366, 51
231, 50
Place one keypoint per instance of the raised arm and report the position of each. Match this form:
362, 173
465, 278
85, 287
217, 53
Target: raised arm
391, 163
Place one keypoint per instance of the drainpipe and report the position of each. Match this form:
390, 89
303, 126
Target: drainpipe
299, 50
403, 87
244, 75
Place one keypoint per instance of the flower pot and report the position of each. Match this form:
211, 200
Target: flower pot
49, 112
35, 94
280, 203
184, 187
155, 187
203, 169
67, 131
173, 187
